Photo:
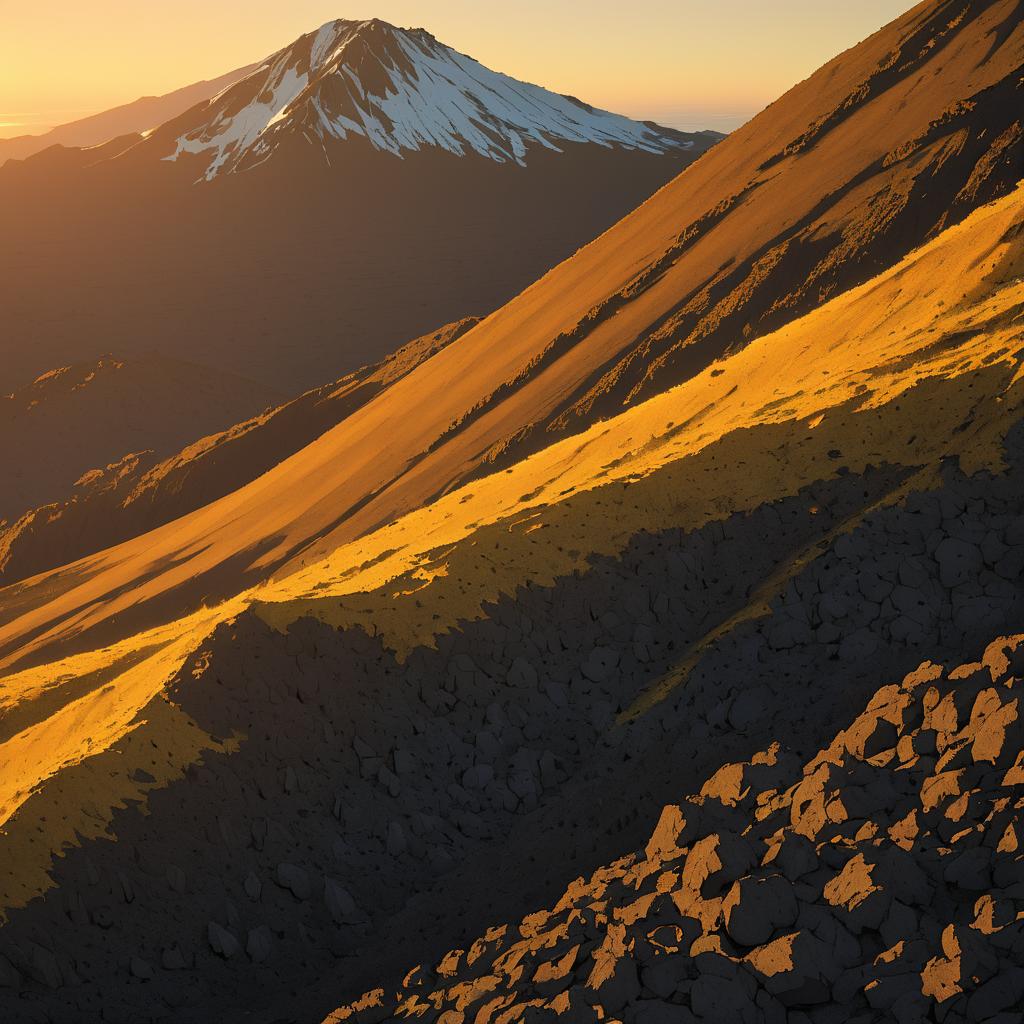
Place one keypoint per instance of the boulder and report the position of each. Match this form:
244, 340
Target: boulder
258, 944
340, 904
141, 969
755, 908
959, 561
295, 880
221, 940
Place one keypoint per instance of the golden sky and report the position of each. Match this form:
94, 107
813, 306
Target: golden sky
690, 63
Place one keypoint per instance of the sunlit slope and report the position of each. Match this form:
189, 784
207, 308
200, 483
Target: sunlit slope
818, 363
860, 129
919, 366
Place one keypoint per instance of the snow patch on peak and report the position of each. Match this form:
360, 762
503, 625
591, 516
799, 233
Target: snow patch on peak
402, 91
454, 102
323, 42
227, 137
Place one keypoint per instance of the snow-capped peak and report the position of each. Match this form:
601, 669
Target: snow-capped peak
400, 90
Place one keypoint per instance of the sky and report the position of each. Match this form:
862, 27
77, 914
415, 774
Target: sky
686, 63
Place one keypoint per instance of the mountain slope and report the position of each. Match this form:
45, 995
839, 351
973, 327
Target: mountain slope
139, 257
523, 363
958, 361
401, 91
833, 182
352, 715
142, 115
540, 660
143, 490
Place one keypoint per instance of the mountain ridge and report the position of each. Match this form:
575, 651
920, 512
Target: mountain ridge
506, 682
366, 487
157, 402
400, 90
138, 258
143, 490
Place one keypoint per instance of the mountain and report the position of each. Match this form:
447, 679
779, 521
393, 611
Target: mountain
400, 91
329, 745
378, 165
159, 404
533, 363
142, 115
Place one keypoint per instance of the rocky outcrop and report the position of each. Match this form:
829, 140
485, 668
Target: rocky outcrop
881, 881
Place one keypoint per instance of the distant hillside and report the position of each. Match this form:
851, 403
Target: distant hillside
77, 419
130, 118
143, 490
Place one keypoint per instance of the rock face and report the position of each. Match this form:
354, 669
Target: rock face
878, 882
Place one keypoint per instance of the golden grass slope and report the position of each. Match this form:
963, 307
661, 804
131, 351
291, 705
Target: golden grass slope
834, 379
920, 364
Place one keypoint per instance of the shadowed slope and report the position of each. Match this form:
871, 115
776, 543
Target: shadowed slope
76, 419
879, 882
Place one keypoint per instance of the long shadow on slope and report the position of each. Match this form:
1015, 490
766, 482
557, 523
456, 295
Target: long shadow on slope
376, 811
73, 636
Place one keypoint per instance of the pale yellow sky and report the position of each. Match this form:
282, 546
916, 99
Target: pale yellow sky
688, 63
